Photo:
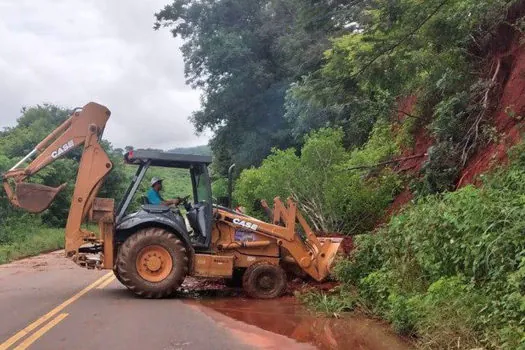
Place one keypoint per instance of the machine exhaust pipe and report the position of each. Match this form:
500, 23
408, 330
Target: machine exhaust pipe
230, 186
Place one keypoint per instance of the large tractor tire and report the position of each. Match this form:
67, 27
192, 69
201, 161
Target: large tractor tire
264, 281
116, 272
152, 263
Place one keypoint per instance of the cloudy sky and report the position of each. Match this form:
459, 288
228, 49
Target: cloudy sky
70, 52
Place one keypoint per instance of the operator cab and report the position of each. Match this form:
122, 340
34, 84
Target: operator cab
198, 213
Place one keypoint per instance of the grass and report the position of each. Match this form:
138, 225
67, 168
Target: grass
44, 240
332, 303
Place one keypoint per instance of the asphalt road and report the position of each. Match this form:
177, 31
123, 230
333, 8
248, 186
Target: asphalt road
47, 302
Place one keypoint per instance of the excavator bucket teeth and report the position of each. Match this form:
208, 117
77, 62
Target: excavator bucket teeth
35, 198
329, 247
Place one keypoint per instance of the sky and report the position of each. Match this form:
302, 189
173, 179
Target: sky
71, 52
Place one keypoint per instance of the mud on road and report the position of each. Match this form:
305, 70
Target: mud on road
254, 321
285, 316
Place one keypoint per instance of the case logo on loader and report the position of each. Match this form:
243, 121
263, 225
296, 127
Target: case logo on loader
61, 150
246, 224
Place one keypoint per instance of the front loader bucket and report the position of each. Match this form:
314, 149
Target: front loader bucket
35, 198
329, 248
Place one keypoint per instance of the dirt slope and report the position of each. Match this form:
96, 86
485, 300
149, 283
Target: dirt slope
505, 67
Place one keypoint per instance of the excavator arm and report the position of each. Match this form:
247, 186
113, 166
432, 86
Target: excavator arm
83, 128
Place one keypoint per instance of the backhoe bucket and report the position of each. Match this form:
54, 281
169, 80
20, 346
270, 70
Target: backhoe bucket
329, 248
35, 198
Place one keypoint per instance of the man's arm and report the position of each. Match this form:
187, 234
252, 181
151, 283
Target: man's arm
155, 199
175, 201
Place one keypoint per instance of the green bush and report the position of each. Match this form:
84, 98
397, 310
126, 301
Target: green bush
275, 177
374, 291
219, 188
333, 197
18, 227
402, 313
451, 267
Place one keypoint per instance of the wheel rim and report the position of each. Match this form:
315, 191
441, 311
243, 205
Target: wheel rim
154, 263
266, 282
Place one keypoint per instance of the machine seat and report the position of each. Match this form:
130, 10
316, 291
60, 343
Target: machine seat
197, 219
155, 209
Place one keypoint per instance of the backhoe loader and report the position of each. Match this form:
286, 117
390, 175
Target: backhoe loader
153, 249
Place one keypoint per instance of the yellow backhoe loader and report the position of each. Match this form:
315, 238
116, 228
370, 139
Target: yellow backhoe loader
152, 250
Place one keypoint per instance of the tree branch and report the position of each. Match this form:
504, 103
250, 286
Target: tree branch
386, 162
406, 37
492, 82
407, 114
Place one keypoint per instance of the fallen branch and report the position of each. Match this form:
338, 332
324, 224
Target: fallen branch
472, 134
492, 82
386, 162
407, 114
407, 168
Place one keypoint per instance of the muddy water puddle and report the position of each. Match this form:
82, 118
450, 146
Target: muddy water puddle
285, 324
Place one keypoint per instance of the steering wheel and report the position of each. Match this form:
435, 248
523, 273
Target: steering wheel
184, 202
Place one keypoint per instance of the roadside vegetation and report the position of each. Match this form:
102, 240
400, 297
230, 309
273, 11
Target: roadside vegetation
31, 241
448, 271
451, 267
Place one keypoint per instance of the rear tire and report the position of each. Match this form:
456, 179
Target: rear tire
264, 281
116, 271
152, 263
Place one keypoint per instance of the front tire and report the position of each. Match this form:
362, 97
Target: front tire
264, 281
152, 263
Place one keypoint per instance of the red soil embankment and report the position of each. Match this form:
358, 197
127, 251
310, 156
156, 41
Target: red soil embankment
418, 150
508, 116
506, 70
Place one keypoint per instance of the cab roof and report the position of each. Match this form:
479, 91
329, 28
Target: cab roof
165, 159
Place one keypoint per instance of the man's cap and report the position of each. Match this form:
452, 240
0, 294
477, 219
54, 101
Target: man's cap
154, 180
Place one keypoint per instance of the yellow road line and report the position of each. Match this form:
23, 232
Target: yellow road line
105, 283
51, 313
30, 340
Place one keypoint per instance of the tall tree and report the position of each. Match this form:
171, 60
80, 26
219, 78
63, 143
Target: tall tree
244, 55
